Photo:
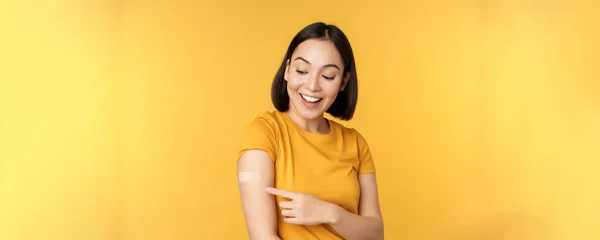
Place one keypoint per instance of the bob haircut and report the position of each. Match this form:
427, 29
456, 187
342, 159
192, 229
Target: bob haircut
345, 103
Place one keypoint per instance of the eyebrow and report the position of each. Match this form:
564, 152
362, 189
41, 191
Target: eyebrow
326, 65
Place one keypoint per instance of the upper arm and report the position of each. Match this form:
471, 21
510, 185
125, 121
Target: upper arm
256, 158
369, 199
256, 173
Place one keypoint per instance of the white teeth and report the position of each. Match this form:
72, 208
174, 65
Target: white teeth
310, 99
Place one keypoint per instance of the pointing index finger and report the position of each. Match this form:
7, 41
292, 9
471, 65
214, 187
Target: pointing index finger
282, 193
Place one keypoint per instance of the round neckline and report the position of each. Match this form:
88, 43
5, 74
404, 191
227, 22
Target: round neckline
304, 132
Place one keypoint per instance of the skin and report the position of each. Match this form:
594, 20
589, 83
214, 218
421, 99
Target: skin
315, 70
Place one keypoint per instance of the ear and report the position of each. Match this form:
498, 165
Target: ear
344, 82
287, 67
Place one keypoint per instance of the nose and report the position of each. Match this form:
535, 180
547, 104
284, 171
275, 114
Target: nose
314, 84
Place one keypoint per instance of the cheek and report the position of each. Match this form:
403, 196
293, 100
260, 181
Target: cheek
332, 90
292, 83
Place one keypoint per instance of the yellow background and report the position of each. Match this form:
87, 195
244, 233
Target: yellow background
120, 119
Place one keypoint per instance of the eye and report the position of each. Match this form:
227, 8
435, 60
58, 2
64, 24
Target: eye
301, 72
328, 78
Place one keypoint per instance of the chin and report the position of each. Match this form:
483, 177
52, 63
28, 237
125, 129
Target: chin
311, 115
308, 114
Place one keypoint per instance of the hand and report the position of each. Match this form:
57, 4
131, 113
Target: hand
304, 209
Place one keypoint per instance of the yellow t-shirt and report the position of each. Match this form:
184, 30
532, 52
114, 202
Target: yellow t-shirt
324, 165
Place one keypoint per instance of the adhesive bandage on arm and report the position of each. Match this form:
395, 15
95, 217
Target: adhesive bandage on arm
246, 177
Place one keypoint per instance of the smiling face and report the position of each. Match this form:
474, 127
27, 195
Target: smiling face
314, 75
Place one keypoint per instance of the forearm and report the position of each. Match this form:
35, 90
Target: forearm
355, 227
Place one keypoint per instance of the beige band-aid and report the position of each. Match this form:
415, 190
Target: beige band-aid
248, 176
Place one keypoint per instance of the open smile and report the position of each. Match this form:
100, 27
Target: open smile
310, 99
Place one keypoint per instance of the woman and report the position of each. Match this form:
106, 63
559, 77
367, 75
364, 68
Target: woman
302, 175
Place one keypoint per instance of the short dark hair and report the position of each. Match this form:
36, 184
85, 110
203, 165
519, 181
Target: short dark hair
345, 104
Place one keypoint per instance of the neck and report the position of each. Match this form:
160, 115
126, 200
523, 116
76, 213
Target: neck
318, 125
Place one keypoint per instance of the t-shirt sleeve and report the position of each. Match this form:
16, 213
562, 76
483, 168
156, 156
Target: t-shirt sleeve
259, 135
366, 164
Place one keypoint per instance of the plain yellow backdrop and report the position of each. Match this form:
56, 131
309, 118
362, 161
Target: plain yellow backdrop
121, 119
